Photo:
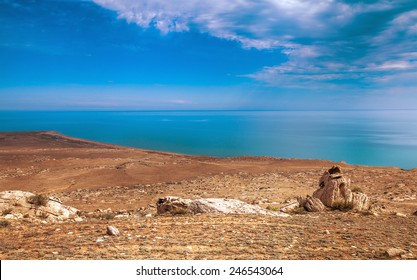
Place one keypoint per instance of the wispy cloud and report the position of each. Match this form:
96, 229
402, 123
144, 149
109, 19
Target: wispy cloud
327, 42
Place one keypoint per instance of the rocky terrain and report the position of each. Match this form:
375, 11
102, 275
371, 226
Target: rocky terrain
117, 186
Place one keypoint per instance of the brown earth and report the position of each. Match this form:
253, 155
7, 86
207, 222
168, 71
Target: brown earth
90, 176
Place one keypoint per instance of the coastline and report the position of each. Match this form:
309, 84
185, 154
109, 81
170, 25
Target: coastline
372, 138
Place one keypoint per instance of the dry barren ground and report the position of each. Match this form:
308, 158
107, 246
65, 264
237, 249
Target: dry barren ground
91, 176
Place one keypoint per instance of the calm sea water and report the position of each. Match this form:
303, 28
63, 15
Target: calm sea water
387, 138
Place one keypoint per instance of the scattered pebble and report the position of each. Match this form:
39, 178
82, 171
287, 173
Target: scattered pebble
394, 252
112, 230
408, 256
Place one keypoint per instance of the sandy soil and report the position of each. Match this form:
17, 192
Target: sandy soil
90, 176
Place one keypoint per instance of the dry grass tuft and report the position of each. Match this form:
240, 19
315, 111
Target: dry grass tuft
7, 211
38, 200
4, 224
357, 190
272, 208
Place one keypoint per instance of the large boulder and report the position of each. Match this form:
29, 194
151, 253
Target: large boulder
177, 205
334, 192
19, 204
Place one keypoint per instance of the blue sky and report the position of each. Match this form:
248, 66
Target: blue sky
208, 54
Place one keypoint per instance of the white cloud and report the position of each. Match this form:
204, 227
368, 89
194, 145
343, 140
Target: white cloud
259, 24
315, 35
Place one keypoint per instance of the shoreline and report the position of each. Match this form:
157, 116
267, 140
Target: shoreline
77, 142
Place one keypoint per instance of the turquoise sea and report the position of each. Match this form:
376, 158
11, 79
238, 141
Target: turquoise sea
386, 138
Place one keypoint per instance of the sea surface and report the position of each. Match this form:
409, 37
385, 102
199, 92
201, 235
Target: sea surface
383, 138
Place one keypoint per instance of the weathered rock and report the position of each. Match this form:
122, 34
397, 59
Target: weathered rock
394, 252
15, 216
122, 216
313, 204
408, 256
112, 230
290, 207
173, 205
335, 169
19, 204
359, 201
176, 205
333, 187
334, 192
399, 214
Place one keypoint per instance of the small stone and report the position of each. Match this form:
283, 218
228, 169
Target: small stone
112, 230
148, 216
55, 253
408, 256
327, 231
400, 214
78, 219
290, 207
121, 216
13, 216
394, 252
70, 233
99, 240
190, 248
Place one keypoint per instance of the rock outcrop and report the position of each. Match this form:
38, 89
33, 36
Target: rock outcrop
19, 204
334, 192
176, 205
